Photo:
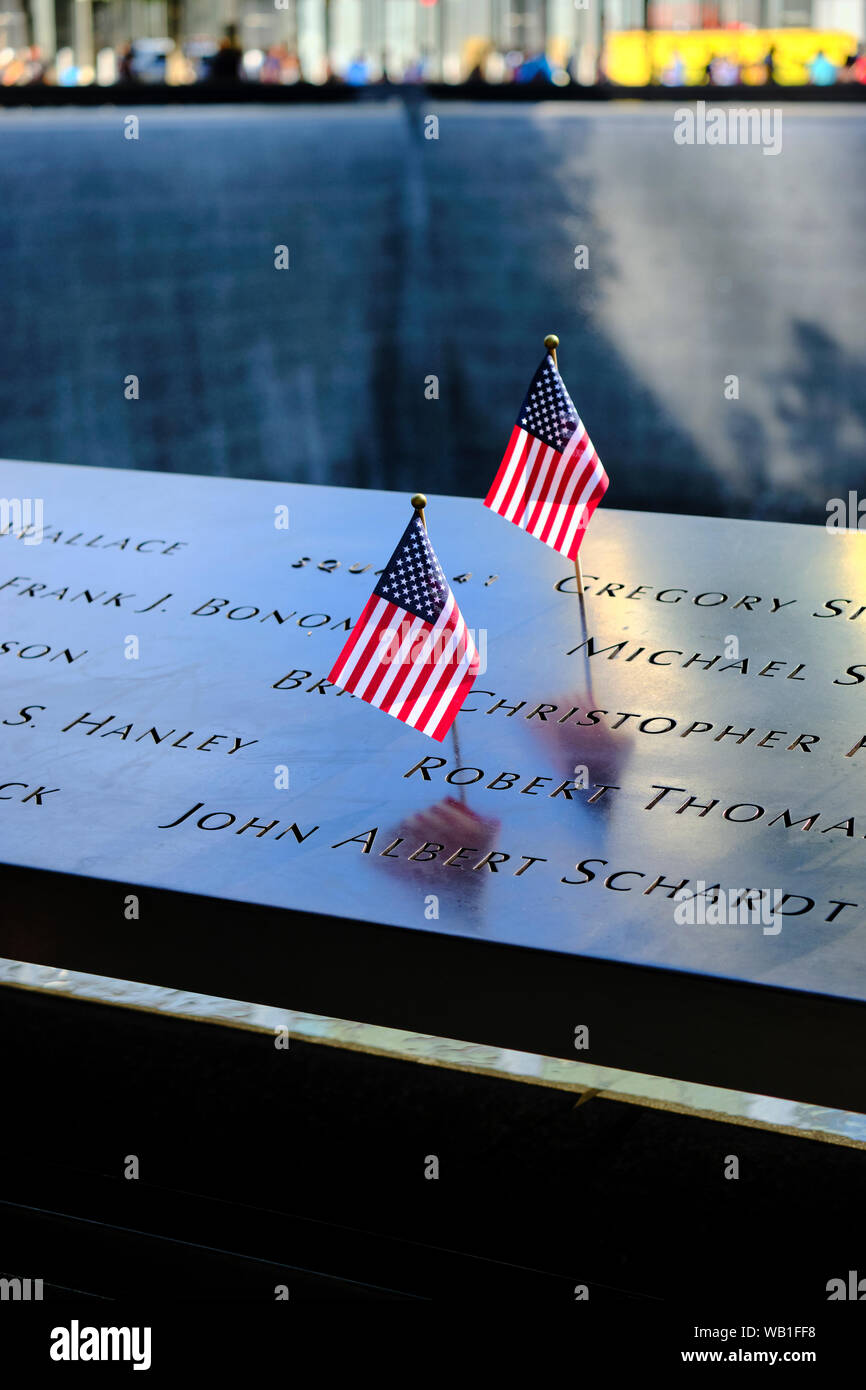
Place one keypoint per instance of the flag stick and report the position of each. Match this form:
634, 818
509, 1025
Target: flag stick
551, 342
419, 502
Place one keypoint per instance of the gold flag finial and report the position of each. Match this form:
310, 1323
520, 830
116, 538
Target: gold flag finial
551, 342
419, 502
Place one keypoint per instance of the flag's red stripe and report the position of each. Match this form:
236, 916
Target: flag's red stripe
600, 490
565, 539
467, 657
415, 692
553, 532
571, 484
382, 666
448, 670
403, 688
371, 644
572, 452
389, 667
576, 477
539, 469
503, 468
352, 639
549, 476
517, 465
451, 710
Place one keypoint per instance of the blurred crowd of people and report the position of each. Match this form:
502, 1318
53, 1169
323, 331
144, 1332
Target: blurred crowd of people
23, 67
725, 70
225, 62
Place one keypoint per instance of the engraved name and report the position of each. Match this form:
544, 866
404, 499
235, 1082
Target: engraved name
549, 715
470, 859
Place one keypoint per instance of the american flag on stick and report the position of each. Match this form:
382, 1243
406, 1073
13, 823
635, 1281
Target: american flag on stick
551, 479
410, 652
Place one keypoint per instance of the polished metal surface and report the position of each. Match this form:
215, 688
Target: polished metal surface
184, 614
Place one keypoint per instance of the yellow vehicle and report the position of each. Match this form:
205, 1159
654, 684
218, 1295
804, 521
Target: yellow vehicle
636, 58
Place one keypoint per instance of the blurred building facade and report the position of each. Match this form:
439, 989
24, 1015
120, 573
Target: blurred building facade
448, 37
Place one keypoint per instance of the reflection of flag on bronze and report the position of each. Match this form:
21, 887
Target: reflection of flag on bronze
436, 833
589, 751
410, 653
551, 479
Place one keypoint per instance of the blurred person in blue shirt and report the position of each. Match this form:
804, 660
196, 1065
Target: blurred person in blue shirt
358, 72
535, 69
821, 71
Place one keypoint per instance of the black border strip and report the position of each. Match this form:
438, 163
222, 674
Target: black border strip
131, 96
718, 1032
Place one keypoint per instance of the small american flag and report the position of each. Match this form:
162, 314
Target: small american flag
551, 479
410, 652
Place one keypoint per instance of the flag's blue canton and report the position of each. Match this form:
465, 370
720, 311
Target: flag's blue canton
548, 412
413, 577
